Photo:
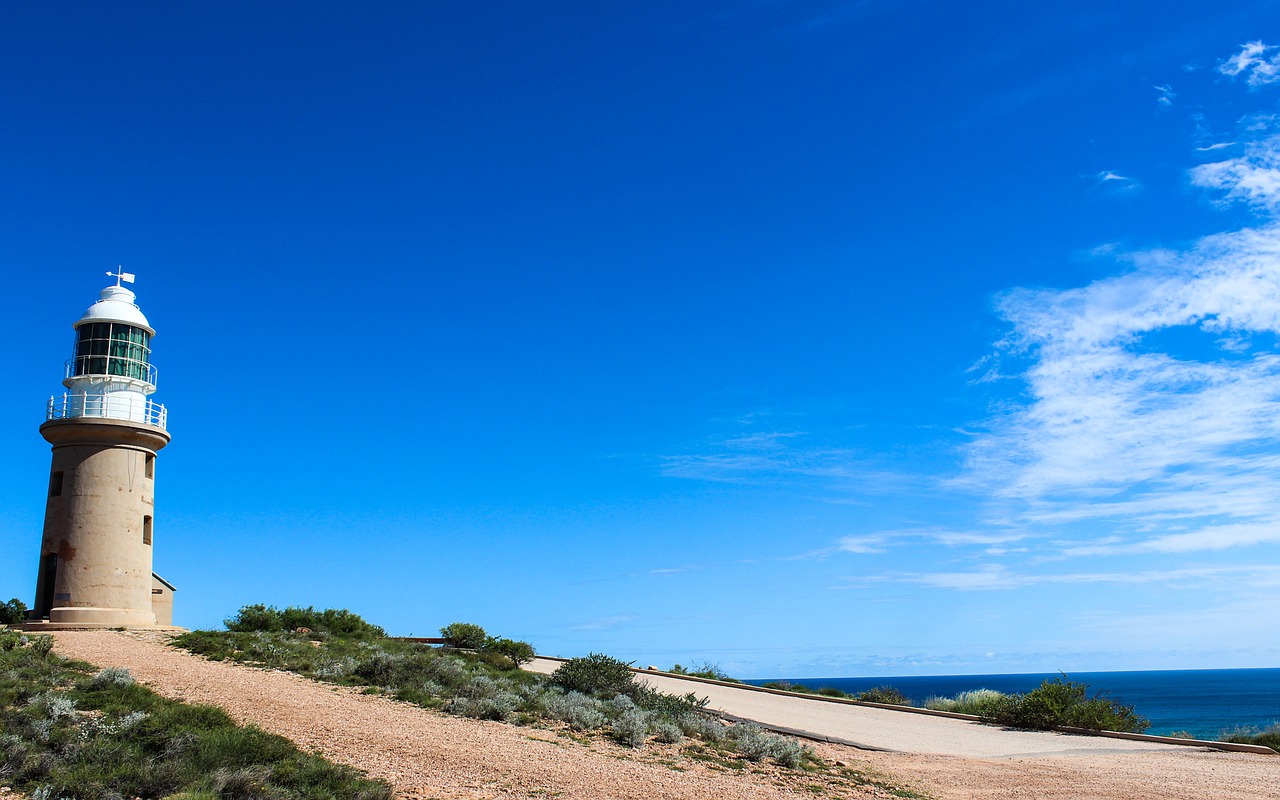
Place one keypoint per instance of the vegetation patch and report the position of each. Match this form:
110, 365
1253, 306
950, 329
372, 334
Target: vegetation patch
70, 731
704, 670
978, 702
476, 675
13, 612
1059, 701
1267, 738
592, 701
1055, 702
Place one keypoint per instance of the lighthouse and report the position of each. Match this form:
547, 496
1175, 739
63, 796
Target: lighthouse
99, 520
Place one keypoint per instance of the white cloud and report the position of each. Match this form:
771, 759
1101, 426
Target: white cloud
1253, 178
1114, 182
1123, 425
1165, 95
1254, 63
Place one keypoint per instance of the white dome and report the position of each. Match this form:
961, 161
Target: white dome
116, 305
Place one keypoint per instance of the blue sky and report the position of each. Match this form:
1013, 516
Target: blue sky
807, 338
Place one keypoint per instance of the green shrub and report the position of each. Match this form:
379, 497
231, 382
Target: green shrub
581, 711
1268, 738
595, 674
518, 652
331, 621
1063, 702
751, 741
631, 727
668, 733
13, 612
888, 695
255, 617
706, 669
670, 707
464, 635
112, 676
979, 702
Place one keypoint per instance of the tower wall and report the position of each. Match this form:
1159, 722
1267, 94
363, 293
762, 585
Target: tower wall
96, 551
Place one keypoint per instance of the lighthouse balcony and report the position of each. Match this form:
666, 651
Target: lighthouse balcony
128, 406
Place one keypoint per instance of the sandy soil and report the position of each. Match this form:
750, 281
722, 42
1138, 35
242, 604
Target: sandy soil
424, 754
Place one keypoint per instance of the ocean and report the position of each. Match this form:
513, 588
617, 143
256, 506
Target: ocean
1202, 702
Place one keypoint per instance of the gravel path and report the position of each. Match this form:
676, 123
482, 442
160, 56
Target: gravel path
423, 754
430, 755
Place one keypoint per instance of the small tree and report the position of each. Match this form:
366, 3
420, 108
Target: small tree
13, 612
518, 652
464, 635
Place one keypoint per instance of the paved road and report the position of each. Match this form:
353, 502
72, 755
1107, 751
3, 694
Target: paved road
883, 729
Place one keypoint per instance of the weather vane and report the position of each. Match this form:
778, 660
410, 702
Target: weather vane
127, 277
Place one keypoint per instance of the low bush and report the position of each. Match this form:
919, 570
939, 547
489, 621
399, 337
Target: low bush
979, 702
581, 711
1267, 738
757, 744
330, 621
888, 695
595, 674
1059, 701
631, 727
706, 669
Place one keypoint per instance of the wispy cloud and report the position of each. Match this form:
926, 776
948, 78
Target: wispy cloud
882, 541
1253, 178
604, 623
1165, 95
1153, 397
783, 458
989, 577
1257, 62
1112, 181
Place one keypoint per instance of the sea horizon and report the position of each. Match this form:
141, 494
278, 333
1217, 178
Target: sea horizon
1202, 702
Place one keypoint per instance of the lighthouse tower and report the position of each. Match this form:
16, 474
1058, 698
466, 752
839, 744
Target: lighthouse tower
95, 554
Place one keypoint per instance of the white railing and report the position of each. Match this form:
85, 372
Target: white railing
122, 405
129, 363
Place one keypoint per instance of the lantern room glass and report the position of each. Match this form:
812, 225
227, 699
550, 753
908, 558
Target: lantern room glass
112, 348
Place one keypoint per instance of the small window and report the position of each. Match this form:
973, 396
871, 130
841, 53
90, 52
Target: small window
150, 468
55, 484
146, 529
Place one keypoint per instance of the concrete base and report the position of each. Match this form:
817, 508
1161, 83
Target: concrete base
98, 616
49, 627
